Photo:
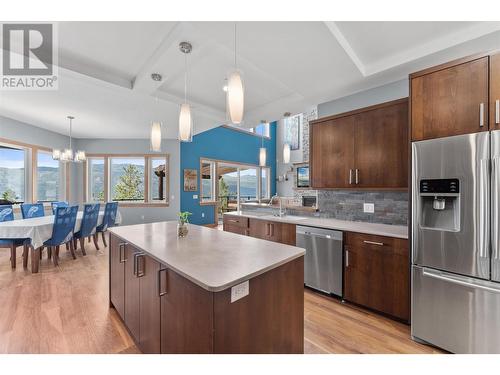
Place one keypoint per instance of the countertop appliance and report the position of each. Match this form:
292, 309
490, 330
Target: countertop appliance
323, 260
455, 242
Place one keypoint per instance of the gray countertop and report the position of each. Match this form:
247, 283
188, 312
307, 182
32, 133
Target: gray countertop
213, 259
398, 231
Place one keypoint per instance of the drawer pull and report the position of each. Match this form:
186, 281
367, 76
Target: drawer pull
374, 243
121, 252
161, 292
481, 114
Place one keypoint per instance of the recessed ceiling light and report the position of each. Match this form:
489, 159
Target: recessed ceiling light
224, 88
156, 77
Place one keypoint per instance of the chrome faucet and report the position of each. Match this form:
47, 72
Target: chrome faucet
281, 212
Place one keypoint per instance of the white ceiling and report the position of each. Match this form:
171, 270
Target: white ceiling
105, 68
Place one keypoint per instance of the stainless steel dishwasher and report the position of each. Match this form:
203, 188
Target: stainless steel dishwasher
323, 260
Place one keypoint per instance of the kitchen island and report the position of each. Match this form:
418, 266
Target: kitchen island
210, 292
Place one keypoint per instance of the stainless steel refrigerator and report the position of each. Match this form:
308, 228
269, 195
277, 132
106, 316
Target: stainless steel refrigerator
455, 242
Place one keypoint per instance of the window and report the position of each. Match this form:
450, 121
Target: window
127, 179
131, 179
249, 184
207, 181
265, 183
12, 173
48, 177
158, 172
96, 179
262, 129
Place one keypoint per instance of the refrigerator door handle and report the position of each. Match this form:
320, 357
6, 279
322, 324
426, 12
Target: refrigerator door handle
495, 198
484, 222
459, 281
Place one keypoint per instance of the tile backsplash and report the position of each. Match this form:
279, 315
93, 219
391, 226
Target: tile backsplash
390, 207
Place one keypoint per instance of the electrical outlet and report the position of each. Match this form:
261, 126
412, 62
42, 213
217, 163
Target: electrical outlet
202, 214
369, 208
142, 217
239, 291
195, 196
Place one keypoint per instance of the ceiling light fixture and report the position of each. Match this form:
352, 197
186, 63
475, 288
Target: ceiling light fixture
235, 97
68, 155
262, 150
185, 118
286, 153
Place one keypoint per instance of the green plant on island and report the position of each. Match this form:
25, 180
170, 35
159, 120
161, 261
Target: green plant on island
184, 217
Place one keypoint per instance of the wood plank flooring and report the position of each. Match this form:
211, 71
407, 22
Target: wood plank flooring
64, 309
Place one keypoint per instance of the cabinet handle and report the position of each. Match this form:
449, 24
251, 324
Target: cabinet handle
160, 292
233, 221
135, 264
272, 229
357, 176
497, 111
121, 252
481, 114
350, 176
267, 229
346, 258
142, 270
374, 243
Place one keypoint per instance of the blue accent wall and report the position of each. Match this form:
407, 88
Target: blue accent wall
222, 143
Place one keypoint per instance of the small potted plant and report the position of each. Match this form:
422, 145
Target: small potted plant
182, 226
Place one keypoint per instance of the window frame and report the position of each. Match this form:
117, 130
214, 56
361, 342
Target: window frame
147, 163
213, 172
31, 172
215, 180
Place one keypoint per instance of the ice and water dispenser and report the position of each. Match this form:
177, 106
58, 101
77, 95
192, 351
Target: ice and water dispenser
440, 204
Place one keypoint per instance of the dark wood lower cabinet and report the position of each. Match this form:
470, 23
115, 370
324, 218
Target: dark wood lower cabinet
167, 313
117, 269
376, 273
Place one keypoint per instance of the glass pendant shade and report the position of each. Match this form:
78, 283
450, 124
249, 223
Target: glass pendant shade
286, 153
67, 155
262, 156
235, 97
156, 136
80, 156
185, 123
56, 154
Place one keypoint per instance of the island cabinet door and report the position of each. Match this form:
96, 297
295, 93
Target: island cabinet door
148, 271
186, 316
117, 275
132, 287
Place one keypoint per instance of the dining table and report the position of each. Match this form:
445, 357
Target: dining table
39, 229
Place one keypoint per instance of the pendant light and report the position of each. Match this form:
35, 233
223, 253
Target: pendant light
235, 94
262, 150
286, 153
155, 136
68, 155
185, 118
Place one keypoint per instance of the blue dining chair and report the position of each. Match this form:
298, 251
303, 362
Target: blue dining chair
62, 231
7, 214
31, 210
109, 219
58, 204
88, 227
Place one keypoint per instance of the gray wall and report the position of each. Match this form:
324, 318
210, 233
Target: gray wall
381, 94
135, 215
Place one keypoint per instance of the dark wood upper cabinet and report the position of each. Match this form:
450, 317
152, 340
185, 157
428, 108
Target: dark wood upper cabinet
450, 100
381, 147
362, 149
331, 153
495, 91
376, 273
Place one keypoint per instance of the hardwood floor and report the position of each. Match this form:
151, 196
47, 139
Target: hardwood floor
64, 309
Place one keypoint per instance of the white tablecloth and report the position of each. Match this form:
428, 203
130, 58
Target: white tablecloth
39, 229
